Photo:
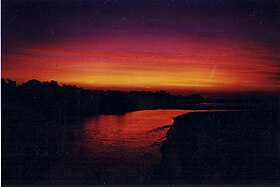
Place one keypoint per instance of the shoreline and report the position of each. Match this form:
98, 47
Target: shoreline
208, 147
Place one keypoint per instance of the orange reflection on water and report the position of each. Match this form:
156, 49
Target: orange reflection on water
132, 135
125, 147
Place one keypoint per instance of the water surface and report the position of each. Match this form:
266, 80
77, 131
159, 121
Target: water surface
116, 149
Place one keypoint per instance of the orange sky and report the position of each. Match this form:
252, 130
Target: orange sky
133, 60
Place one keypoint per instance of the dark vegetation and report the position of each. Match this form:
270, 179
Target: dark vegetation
63, 104
237, 147
221, 148
35, 115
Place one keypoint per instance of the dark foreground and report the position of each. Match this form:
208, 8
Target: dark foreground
240, 147
211, 148
40, 120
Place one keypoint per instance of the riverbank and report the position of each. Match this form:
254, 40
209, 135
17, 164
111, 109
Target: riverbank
227, 147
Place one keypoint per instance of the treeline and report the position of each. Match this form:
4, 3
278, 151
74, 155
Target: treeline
33, 114
50, 102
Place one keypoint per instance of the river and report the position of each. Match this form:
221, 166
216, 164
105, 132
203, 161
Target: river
115, 149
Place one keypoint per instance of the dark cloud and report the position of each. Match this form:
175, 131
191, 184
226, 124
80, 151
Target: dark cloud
272, 76
275, 76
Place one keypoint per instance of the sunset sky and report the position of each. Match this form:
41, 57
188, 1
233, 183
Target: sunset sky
178, 46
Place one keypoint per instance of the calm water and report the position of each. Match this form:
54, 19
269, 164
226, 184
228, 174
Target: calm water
116, 149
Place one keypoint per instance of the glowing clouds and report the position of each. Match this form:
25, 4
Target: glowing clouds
135, 60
